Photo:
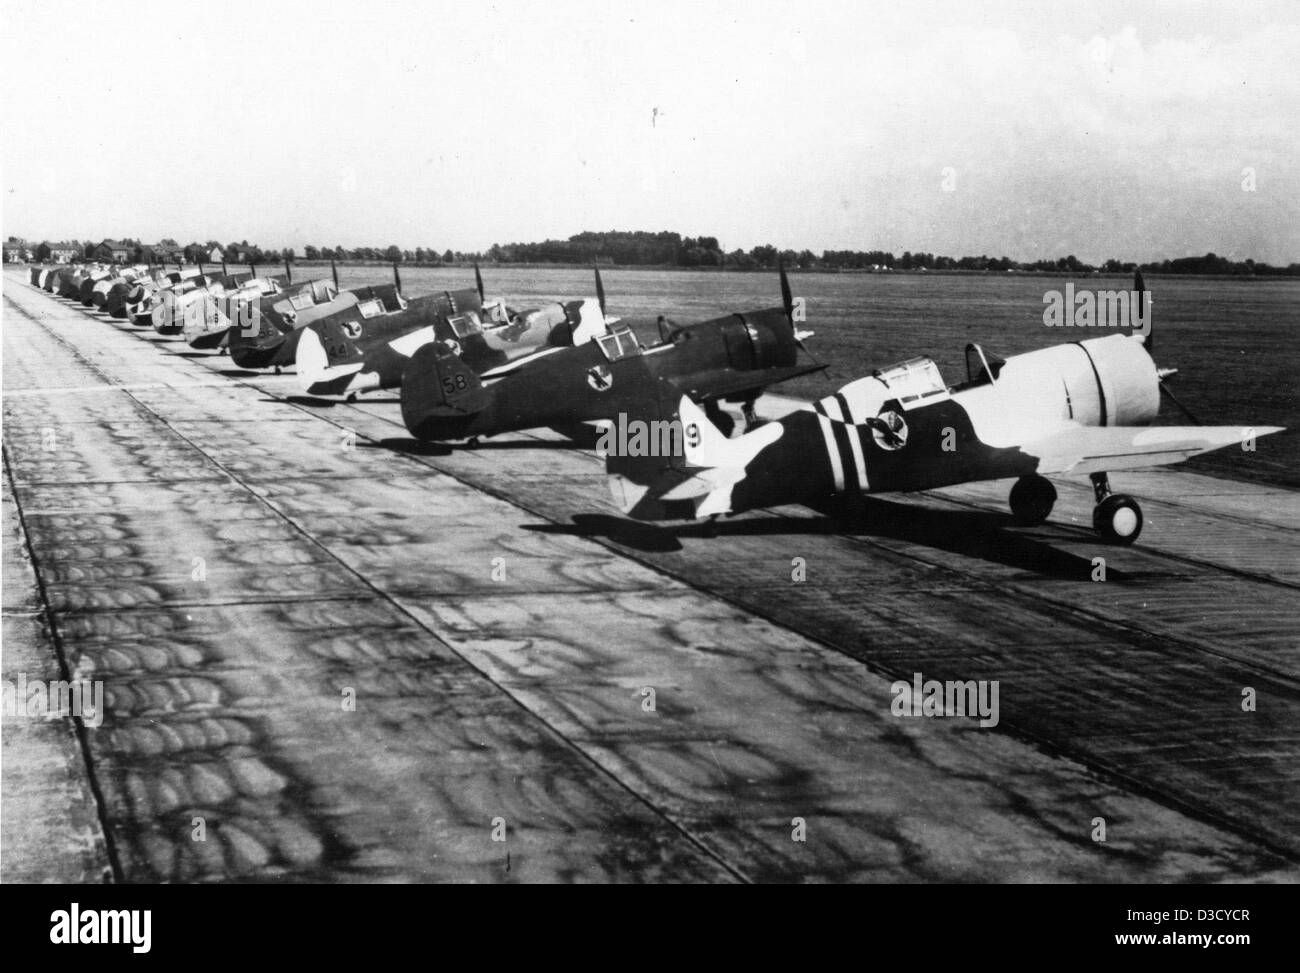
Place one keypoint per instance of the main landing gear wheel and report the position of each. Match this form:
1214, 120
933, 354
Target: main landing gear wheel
1118, 519
1117, 516
1032, 499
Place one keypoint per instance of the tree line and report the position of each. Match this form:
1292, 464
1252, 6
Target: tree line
666, 249
640, 248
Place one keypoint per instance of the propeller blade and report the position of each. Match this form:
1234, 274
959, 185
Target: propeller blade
288, 270
1165, 390
335, 271
224, 272
253, 268
600, 291
787, 301
478, 282
397, 278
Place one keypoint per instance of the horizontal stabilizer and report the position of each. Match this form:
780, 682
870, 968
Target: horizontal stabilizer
696, 483
316, 375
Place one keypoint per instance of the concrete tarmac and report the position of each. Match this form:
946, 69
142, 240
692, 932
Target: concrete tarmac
330, 653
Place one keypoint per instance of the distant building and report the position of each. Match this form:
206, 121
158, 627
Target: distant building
60, 252
16, 250
157, 253
238, 254
115, 251
216, 256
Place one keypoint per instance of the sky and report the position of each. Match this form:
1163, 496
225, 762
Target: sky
1129, 129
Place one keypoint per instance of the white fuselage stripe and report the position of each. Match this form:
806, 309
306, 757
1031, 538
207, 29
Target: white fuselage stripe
833, 451
855, 442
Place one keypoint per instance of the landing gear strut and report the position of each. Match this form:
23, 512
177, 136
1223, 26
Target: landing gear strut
1031, 499
719, 418
1117, 517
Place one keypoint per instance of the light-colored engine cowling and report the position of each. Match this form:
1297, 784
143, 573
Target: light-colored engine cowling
1128, 379
1109, 381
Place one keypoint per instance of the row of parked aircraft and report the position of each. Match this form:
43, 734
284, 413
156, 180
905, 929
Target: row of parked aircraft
467, 367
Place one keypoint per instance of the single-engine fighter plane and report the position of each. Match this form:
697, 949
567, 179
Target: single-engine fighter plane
211, 312
270, 340
87, 283
111, 293
731, 358
1079, 408
131, 288
192, 307
141, 300
370, 347
71, 278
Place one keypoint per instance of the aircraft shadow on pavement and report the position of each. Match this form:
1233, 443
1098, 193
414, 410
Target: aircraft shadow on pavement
310, 400
421, 448
982, 534
409, 447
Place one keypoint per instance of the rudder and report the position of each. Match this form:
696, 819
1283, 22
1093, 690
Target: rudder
440, 393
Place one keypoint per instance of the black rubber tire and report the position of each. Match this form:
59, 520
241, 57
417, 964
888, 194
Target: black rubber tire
1118, 519
1032, 499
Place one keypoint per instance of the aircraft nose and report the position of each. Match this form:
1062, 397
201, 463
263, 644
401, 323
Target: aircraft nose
310, 360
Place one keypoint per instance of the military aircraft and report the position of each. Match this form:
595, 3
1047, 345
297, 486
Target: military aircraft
270, 340
149, 292
729, 358
110, 293
210, 312
65, 281
44, 278
68, 280
1069, 409
192, 306
121, 289
91, 282
369, 347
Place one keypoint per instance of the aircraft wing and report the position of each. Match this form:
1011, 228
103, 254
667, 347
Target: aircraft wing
513, 366
1077, 449
721, 382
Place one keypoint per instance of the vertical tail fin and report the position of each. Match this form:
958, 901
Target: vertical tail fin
440, 394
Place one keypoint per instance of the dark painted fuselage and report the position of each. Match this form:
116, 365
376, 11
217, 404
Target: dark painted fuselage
731, 356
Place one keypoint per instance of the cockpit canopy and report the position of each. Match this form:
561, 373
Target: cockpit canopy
619, 342
912, 382
383, 299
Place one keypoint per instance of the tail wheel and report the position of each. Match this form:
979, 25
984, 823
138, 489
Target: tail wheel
1118, 519
1032, 499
